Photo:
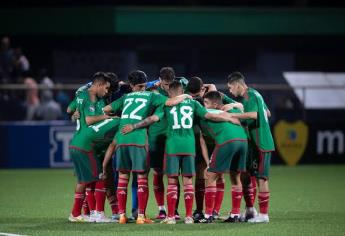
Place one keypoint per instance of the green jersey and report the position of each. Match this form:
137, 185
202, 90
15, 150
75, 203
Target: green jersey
180, 133
259, 129
222, 132
135, 107
227, 100
98, 135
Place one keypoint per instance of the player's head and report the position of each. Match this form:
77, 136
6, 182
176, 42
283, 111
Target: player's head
175, 88
236, 84
195, 85
213, 100
114, 82
101, 83
137, 80
166, 77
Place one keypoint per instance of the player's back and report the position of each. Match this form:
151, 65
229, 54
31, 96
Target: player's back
222, 132
180, 133
136, 106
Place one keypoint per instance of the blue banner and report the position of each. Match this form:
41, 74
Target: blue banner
35, 144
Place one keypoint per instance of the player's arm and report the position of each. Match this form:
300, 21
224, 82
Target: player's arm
245, 115
176, 100
114, 107
90, 120
107, 157
224, 116
231, 106
204, 150
144, 123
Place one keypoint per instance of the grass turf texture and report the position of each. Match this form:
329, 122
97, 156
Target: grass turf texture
305, 200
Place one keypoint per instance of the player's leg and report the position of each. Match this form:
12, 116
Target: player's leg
210, 197
86, 171
187, 164
199, 188
219, 196
158, 189
171, 169
122, 196
248, 181
123, 166
264, 162
171, 199
134, 190
100, 188
115, 183
110, 191
140, 164
157, 144
79, 196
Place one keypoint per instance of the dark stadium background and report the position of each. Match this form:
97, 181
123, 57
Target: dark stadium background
73, 39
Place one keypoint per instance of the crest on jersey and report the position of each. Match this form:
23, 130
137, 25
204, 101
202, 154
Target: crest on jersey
92, 109
291, 140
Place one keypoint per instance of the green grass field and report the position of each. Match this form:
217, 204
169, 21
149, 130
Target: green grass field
305, 200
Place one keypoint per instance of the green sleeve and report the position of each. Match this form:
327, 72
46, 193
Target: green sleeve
73, 105
199, 110
158, 99
117, 104
227, 100
159, 112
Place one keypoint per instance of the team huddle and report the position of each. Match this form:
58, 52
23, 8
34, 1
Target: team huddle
174, 127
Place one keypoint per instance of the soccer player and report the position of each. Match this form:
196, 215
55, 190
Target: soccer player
260, 139
99, 149
180, 146
157, 138
131, 150
229, 155
90, 108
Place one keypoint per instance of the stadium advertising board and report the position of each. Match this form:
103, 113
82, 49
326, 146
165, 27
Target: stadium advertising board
300, 142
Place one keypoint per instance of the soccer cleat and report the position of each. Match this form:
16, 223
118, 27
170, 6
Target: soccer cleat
101, 218
161, 215
123, 219
143, 220
261, 218
93, 216
169, 221
115, 217
215, 215
232, 219
188, 220
78, 219
177, 215
249, 213
208, 220
197, 215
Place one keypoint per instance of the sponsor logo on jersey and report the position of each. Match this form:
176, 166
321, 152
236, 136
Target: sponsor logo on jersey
291, 140
60, 138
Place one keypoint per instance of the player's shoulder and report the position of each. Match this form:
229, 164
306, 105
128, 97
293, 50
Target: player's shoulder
140, 94
253, 92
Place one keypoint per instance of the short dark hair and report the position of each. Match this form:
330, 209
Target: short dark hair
137, 77
167, 74
100, 77
214, 96
114, 81
175, 85
195, 84
235, 77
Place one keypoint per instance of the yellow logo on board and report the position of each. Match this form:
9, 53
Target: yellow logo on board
291, 140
